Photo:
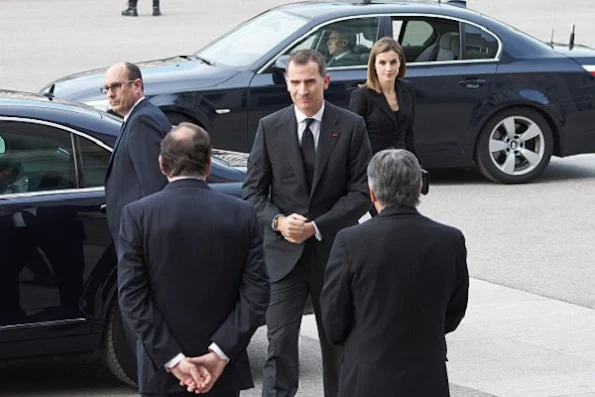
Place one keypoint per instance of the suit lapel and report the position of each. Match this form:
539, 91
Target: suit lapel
326, 142
289, 143
140, 105
384, 106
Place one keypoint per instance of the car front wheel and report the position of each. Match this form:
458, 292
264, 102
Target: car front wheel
117, 351
514, 146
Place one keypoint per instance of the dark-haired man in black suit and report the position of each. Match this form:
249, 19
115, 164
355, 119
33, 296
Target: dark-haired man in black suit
307, 179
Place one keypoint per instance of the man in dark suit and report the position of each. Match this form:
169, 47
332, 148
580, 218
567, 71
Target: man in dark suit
307, 179
132, 171
191, 277
340, 45
394, 286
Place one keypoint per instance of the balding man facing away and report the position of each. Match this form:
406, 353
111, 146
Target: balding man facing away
192, 283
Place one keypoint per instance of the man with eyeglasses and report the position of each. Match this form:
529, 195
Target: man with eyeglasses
133, 171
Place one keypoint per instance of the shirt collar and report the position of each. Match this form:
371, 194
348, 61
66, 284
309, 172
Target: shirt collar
299, 116
341, 55
179, 178
133, 106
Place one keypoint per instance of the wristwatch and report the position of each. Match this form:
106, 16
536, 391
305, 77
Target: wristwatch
275, 221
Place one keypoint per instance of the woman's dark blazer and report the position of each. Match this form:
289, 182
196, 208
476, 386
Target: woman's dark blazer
384, 129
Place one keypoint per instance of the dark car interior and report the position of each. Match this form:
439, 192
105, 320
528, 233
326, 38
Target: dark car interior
44, 163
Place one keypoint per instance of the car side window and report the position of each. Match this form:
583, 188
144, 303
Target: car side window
479, 44
417, 33
35, 157
428, 39
94, 160
344, 43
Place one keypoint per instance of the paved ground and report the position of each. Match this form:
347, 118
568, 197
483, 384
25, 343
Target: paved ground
529, 331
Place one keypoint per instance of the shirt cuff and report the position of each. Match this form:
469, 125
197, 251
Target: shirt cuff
215, 349
174, 361
317, 232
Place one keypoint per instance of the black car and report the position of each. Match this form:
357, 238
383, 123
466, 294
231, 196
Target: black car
486, 94
58, 265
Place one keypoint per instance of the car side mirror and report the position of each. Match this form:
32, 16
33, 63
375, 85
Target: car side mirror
279, 69
281, 63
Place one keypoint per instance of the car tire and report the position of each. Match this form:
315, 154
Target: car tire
514, 146
117, 352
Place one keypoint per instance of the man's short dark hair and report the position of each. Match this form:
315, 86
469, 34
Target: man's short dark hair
186, 154
134, 73
302, 57
346, 34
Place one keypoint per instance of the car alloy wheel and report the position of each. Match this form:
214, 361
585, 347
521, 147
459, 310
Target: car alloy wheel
515, 146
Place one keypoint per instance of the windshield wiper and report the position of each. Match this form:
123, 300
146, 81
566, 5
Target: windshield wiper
203, 60
194, 56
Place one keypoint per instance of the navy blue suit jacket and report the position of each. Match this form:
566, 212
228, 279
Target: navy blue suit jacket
191, 272
133, 171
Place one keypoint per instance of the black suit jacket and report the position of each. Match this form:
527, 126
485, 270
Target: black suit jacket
276, 182
383, 127
190, 272
133, 171
394, 286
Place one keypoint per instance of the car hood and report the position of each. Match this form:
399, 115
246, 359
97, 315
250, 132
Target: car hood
188, 72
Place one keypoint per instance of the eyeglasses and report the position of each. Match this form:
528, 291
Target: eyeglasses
114, 86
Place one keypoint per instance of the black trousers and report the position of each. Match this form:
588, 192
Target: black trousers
186, 394
284, 317
133, 3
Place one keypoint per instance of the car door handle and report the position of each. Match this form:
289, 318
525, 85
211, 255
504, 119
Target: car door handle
472, 83
103, 208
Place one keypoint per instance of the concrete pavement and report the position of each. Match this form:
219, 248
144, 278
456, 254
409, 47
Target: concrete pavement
517, 344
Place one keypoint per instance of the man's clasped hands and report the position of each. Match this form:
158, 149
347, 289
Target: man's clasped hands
295, 228
199, 374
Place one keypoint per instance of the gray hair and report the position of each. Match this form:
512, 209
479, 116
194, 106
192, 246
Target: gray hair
395, 177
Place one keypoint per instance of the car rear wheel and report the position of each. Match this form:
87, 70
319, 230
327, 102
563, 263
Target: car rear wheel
117, 352
514, 146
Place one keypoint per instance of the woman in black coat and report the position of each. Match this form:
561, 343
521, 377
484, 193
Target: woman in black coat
385, 100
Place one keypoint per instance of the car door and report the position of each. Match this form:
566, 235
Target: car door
47, 246
268, 91
452, 65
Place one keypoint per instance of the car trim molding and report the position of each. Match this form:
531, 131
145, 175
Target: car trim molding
51, 192
42, 324
483, 28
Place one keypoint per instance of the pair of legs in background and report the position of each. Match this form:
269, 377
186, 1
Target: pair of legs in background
284, 317
131, 11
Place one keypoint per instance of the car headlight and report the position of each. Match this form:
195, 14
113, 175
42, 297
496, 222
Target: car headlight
101, 104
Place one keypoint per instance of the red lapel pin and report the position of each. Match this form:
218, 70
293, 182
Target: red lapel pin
335, 134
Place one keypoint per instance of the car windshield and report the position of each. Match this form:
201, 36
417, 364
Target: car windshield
249, 41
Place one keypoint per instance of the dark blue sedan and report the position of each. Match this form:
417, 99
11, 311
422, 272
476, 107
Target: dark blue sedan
486, 94
57, 262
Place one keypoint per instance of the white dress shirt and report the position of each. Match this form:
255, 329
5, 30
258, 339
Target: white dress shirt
132, 108
315, 129
314, 126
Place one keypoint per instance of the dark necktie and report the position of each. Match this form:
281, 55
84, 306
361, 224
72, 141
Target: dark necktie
308, 153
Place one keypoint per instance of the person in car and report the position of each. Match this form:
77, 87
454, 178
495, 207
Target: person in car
9, 173
340, 48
